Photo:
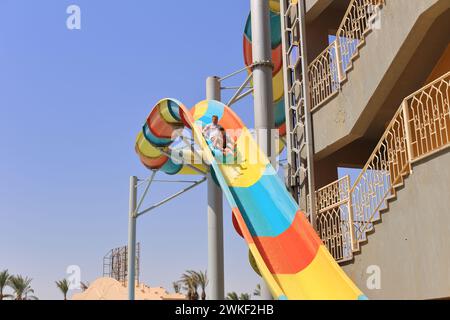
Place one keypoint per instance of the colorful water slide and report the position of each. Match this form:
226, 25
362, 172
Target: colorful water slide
286, 250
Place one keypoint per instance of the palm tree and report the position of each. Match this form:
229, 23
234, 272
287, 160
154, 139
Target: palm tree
232, 296
244, 296
202, 280
176, 286
63, 285
257, 291
84, 286
22, 287
4, 281
190, 284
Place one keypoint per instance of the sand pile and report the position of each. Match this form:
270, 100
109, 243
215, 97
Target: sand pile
111, 289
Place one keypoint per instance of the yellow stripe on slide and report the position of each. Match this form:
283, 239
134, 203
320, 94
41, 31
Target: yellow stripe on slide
165, 113
186, 170
278, 85
200, 110
252, 163
146, 148
274, 5
322, 279
265, 272
280, 143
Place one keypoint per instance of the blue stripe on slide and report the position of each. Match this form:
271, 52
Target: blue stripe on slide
214, 108
154, 140
267, 208
171, 168
174, 109
279, 112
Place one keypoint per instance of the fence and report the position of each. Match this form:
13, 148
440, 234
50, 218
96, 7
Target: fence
419, 129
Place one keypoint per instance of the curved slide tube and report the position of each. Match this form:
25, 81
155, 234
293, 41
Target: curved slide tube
287, 251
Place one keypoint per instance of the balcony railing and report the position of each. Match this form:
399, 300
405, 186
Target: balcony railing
419, 129
334, 220
324, 76
329, 70
361, 17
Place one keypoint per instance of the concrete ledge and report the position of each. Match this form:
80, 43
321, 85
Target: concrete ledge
315, 7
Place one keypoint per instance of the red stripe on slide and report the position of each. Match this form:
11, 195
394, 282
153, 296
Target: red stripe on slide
152, 163
231, 123
186, 117
277, 57
293, 250
235, 225
282, 130
248, 55
158, 126
241, 222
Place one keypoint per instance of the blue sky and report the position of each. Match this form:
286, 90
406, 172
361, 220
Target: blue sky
71, 104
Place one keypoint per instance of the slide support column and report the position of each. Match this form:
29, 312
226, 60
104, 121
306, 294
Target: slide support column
215, 219
132, 238
262, 86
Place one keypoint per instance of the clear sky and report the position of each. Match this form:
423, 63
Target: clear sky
71, 104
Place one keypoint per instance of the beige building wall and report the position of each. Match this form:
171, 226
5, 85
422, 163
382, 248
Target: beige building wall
411, 244
395, 60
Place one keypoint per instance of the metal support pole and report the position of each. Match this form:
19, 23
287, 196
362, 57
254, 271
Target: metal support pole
262, 74
132, 237
193, 185
215, 219
308, 118
262, 85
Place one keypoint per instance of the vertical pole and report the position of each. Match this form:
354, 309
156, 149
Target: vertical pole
339, 62
308, 120
215, 218
262, 75
132, 237
406, 123
262, 85
286, 43
353, 240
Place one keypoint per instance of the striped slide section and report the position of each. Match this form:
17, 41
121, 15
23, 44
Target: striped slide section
285, 249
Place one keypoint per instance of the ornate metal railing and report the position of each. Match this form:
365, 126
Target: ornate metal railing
329, 69
420, 128
323, 76
333, 219
428, 115
361, 17
383, 172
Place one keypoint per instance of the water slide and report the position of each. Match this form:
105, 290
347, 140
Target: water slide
284, 247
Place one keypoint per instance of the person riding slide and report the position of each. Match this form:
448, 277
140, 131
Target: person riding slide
212, 129
219, 142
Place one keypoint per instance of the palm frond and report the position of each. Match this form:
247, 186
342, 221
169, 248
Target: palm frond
63, 285
21, 286
232, 296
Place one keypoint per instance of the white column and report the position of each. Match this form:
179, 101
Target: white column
216, 290
262, 85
